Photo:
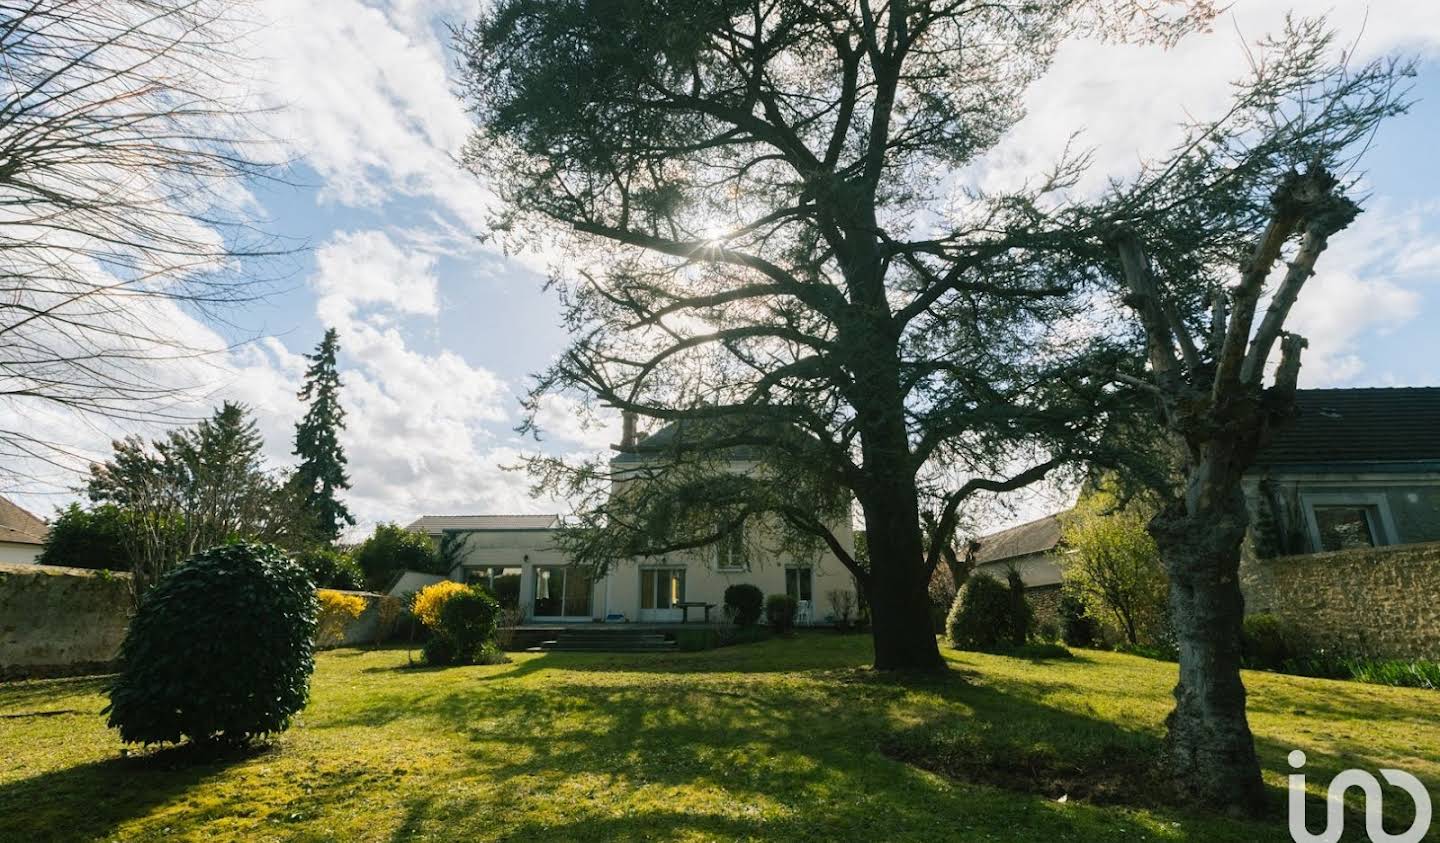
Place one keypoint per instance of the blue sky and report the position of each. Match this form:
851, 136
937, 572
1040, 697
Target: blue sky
440, 331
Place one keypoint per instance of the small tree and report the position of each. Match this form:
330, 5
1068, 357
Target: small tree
392, 549
1114, 566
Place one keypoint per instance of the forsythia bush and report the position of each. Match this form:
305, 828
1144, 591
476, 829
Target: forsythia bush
430, 599
337, 610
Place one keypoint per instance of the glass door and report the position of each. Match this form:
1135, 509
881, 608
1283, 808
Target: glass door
660, 590
561, 592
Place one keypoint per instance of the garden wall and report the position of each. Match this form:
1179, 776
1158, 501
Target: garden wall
60, 621
1383, 602
365, 628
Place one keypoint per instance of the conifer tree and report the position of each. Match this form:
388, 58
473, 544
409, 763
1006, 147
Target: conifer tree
321, 473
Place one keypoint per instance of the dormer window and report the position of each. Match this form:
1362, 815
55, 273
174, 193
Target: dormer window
730, 552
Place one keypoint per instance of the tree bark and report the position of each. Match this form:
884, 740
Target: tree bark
898, 590
1210, 749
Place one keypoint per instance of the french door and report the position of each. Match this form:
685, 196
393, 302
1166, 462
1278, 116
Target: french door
660, 590
561, 592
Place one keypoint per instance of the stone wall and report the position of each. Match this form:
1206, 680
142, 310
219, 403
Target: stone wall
1377, 601
60, 621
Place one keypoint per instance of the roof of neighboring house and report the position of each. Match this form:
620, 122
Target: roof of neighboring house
1036, 536
441, 523
1380, 425
685, 433
19, 526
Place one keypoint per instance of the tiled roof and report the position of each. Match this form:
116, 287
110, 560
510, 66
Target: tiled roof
18, 526
440, 523
1035, 536
1359, 425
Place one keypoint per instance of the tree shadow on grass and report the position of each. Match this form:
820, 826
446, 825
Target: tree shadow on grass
90, 801
36, 693
821, 754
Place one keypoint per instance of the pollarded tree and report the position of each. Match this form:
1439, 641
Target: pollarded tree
1196, 244
321, 473
758, 191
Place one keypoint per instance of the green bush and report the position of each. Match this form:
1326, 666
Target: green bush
1077, 627
981, 616
1268, 643
780, 612
468, 620
392, 549
744, 603
220, 650
88, 538
438, 650
1398, 672
331, 568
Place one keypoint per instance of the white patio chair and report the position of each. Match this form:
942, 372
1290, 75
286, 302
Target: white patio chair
802, 613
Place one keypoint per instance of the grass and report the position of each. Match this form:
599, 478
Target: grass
788, 739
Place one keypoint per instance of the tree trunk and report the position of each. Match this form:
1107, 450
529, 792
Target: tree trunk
898, 589
1209, 748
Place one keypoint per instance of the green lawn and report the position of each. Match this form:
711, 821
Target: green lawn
785, 740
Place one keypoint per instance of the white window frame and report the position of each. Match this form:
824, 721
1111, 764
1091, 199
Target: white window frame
1377, 502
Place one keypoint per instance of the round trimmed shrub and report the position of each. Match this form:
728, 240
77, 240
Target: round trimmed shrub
981, 618
780, 612
468, 621
219, 651
744, 603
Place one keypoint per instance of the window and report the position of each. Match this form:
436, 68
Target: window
798, 583
1345, 527
662, 588
504, 583
730, 552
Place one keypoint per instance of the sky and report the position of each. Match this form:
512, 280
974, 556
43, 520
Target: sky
440, 331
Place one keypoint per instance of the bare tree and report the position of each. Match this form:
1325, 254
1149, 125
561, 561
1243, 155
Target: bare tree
1199, 242
125, 148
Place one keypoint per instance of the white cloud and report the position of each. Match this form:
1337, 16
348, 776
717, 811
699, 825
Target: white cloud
367, 100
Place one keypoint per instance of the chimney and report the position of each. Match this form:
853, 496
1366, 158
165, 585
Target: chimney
627, 431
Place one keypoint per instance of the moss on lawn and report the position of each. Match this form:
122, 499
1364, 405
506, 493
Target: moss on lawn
789, 739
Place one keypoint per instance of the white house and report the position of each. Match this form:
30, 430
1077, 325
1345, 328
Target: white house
22, 535
516, 557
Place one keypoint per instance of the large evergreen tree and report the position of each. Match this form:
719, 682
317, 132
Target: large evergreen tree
317, 441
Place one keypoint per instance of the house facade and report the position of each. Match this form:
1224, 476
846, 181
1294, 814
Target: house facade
1357, 470
22, 535
516, 557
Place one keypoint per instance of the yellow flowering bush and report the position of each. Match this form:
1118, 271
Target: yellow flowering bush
337, 610
430, 599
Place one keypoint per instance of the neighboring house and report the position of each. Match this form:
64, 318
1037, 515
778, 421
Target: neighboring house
1034, 550
1356, 468
22, 535
516, 557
